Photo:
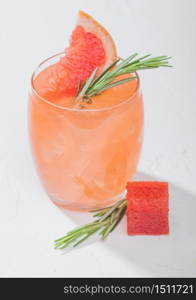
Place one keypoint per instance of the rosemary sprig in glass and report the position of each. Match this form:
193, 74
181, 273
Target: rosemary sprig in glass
106, 220
107, 79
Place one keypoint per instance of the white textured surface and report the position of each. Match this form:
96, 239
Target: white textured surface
33, 30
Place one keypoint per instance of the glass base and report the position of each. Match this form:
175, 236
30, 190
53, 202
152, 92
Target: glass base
67, 205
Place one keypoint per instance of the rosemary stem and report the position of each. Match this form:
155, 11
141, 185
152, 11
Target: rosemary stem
107, 79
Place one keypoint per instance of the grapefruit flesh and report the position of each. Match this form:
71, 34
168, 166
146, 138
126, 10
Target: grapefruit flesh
147, 208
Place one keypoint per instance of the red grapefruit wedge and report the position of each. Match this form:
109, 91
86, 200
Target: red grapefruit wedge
90, 46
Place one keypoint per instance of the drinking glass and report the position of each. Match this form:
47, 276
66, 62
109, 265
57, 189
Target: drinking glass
84, 157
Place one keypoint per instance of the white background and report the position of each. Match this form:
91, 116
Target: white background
33, 30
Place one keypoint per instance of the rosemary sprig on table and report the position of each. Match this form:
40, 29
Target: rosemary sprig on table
106, 220
107, 79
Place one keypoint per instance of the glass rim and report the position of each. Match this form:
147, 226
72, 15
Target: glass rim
137, 88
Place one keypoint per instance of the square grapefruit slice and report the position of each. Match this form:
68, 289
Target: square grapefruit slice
147, 208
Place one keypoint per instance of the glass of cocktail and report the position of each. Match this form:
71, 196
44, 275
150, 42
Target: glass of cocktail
85, 156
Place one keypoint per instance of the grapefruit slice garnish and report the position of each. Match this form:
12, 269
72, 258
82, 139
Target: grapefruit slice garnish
91, 46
